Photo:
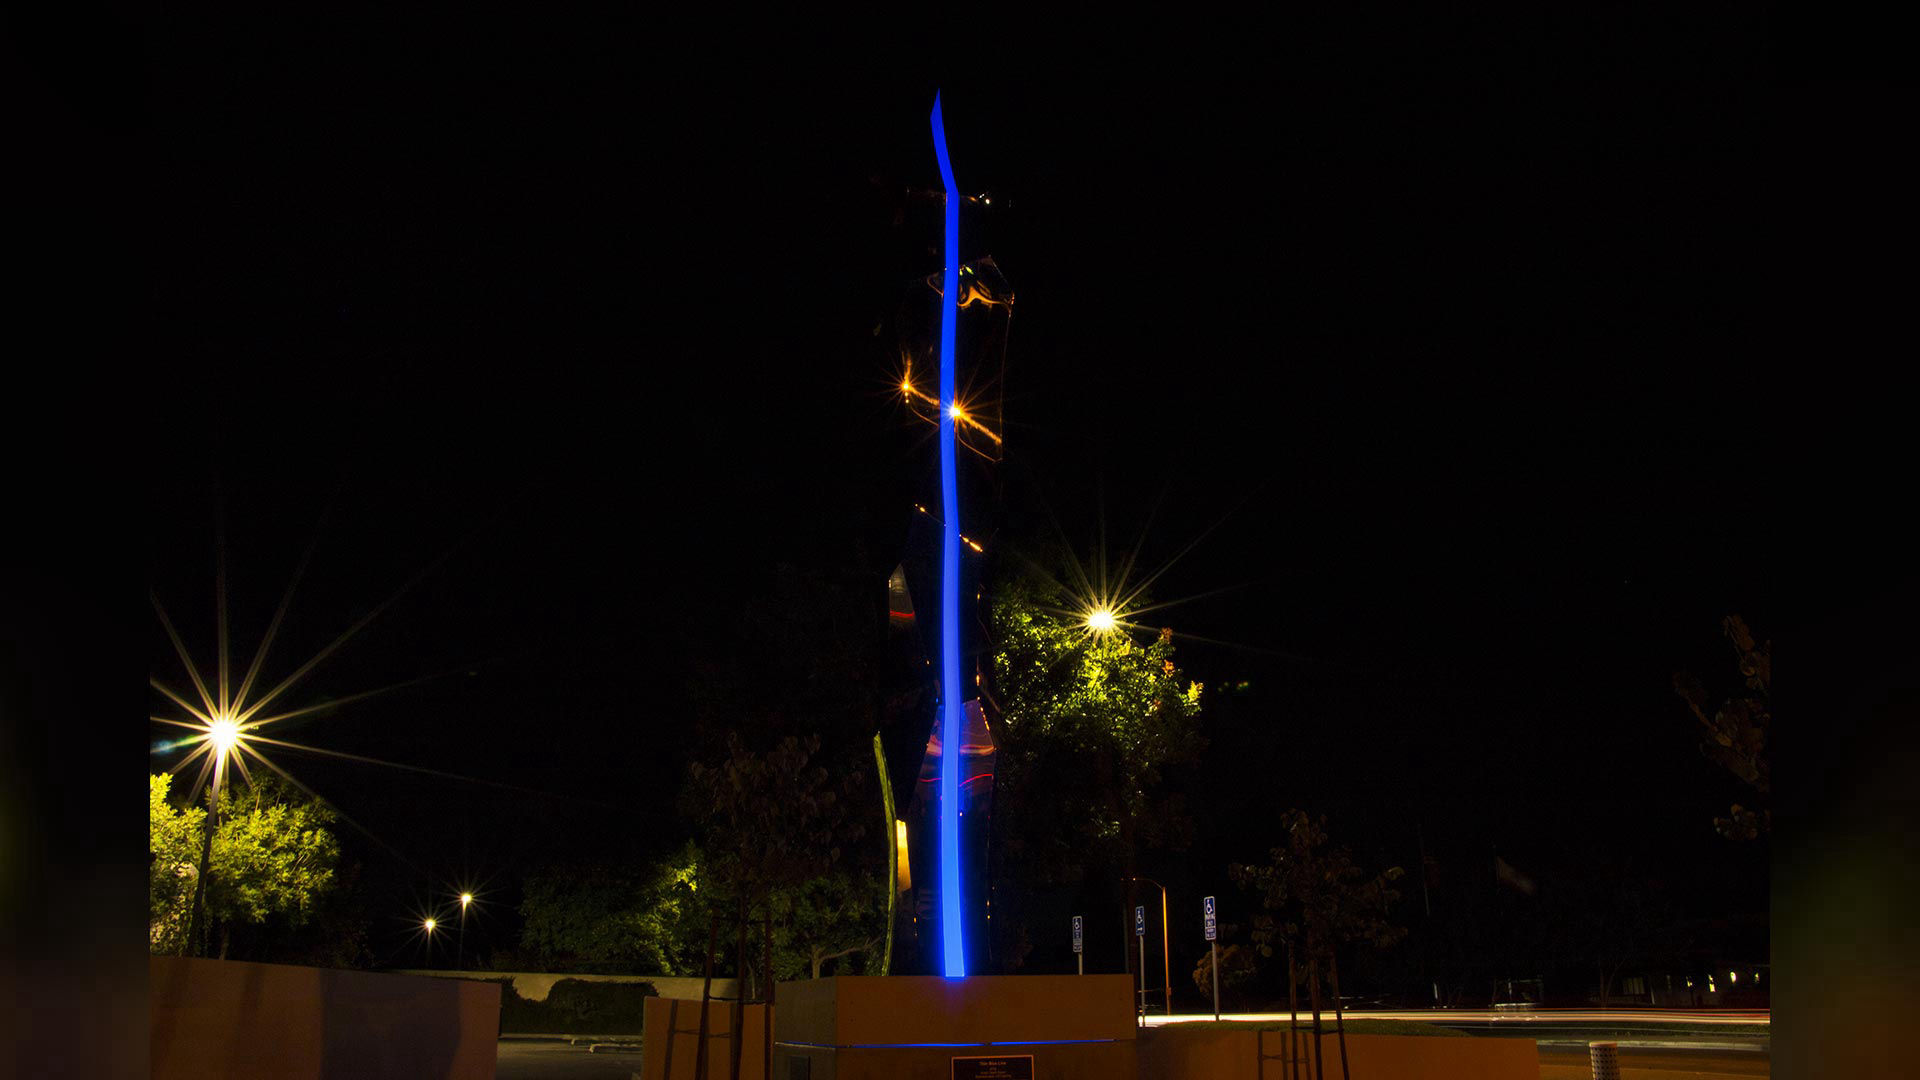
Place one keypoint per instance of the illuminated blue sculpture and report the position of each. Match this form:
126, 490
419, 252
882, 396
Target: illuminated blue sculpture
956, 318
953, 947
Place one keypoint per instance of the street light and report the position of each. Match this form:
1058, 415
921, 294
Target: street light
1100, 621
465, 899
222, 734
1166, 956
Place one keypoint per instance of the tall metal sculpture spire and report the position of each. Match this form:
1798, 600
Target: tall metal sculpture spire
952, 727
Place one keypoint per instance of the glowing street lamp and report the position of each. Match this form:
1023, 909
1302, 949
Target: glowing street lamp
1100, 621
465, 899
221, 734
224, 734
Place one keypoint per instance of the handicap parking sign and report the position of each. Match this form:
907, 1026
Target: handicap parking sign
1140, 921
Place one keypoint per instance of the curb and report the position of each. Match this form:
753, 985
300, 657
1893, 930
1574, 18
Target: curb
608, 1040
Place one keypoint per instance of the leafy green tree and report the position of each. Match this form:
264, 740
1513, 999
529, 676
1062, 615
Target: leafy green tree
836, 916
173, 853
273, 858
1089, 723
1734, 733
607, 919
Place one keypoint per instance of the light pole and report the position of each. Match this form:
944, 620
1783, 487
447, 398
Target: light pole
465, 899
222, 733
1166, 961
428, 926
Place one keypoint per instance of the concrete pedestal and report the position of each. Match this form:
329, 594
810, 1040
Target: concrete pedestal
912, 1027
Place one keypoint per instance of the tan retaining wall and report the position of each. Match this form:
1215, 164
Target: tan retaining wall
218, 1019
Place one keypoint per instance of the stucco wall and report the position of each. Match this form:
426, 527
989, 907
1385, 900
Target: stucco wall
220, 1019
670, 1015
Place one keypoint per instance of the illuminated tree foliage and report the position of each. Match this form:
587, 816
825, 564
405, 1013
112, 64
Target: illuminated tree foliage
1089, 722
838, 916
1735, 732
173, 850
608, 919
273, 858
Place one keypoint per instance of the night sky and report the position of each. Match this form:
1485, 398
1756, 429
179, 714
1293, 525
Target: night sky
1447, 340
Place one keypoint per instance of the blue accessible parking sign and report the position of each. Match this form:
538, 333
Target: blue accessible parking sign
1140, 921
1213, 933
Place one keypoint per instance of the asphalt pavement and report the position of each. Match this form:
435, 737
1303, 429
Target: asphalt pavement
525, 1059
1559, 1061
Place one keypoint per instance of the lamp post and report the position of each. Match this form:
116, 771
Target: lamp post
465, 899
222, 733
1166, 961
428, 926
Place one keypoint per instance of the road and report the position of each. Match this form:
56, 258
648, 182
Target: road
1665, 1045
1654, 1044
1561, 1061
521, 1059
1503, 1017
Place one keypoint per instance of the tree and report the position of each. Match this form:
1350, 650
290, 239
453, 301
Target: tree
1089, 723
1735, 732
173, 861
835, 916
771, 819
1236, 970
1316, 899
608, 918
273, 858
775, 826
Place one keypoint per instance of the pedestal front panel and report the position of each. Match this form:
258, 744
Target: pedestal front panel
1075, 1027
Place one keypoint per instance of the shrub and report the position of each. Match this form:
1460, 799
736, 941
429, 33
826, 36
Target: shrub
576, 1007
599, 1008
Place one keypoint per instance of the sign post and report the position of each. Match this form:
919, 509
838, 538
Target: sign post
1140, 932
1079, 954
1213, 948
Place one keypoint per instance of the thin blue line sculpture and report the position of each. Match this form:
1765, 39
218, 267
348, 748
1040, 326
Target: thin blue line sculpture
953, 947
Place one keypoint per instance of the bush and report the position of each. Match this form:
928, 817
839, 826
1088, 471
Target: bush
576, 1007
599, 1008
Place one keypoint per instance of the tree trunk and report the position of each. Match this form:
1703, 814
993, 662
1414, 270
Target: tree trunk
1313, 999
739, 1006
1339, 1017
226, 938
1293, 1016
196, 916
706, 996
766, 1029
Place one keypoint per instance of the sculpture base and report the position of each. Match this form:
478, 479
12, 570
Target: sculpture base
906, 1027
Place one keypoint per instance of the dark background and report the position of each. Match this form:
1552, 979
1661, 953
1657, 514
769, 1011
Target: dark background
1452, 329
